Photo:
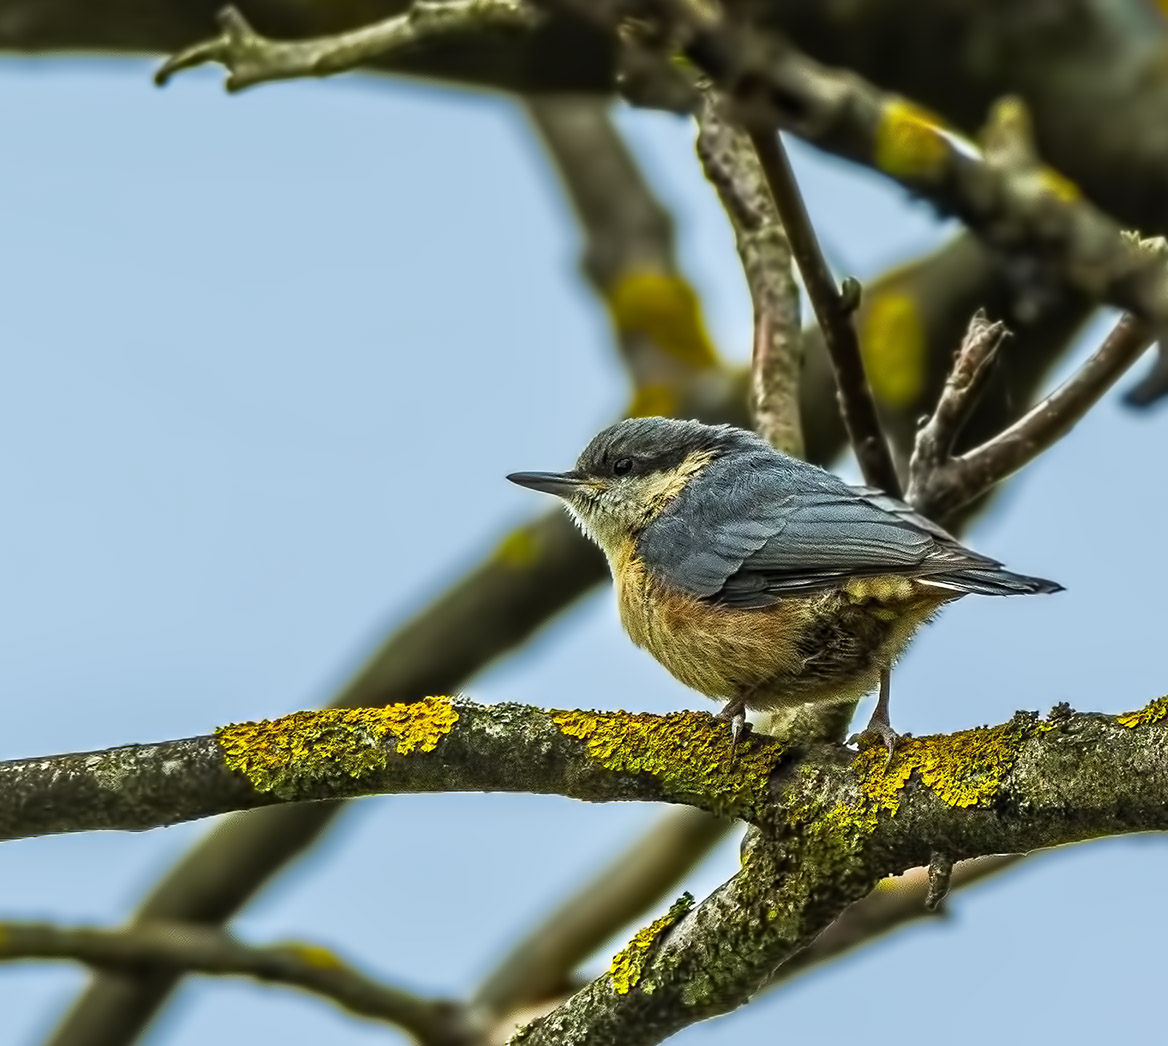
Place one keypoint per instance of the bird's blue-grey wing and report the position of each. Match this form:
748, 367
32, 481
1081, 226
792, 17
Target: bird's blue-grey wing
749, 537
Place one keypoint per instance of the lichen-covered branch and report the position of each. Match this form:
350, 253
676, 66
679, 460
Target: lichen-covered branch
942, 483
840, 824
831, 822
453, 745
433, 745
1032, 214
184, 948
732, 165
252, 59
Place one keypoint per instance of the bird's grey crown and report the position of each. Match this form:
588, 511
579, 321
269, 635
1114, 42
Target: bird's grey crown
660, 444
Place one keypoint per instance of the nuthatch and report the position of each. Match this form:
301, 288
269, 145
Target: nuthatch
756, 578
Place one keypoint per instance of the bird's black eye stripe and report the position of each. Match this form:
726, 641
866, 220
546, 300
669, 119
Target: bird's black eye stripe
622, 466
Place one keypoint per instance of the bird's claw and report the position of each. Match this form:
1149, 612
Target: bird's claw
878, 733
734, 713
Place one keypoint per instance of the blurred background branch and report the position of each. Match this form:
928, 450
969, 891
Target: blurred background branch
194, 949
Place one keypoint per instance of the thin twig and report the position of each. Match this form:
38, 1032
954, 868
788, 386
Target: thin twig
731, 163
834, 308
254, 59
195, 949
941, 484
963, 388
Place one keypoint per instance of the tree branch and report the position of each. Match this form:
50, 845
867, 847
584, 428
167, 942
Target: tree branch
732, 165
835, 309
252, 59
941, 483
433, 745
444, 745
184, 948
536, 571
629, 257
841, 823
960, 394
1028, 211
832, 822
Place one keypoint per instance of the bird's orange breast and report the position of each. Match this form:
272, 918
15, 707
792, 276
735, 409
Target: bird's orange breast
810, 647
719, 651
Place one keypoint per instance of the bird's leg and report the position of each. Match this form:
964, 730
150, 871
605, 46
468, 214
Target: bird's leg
879, 728
734, 712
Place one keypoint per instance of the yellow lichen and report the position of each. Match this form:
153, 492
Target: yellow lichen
651, 401
628, 964
1058, 185
283, 755
518, 549
909, 142
962, 769
893, 340
663, 307
1152, 712
315, 955
688, 752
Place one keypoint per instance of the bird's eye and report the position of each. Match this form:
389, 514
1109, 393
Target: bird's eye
622, 466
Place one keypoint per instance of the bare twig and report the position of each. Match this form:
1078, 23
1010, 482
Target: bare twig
834, 308
940, 483
254, 59
963, 387
196, 949
730, 162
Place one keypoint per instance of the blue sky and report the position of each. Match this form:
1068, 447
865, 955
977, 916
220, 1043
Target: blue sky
265, 362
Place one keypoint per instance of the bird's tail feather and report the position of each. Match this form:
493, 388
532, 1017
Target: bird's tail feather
992, 582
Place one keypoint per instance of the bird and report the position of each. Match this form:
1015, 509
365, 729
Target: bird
758, 579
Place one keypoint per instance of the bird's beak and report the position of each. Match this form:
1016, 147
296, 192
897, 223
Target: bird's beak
562, 484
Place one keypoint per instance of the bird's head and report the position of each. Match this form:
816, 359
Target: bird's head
630, 471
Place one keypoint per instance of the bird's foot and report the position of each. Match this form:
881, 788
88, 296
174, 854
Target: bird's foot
734, 713
879, 729
878, 732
